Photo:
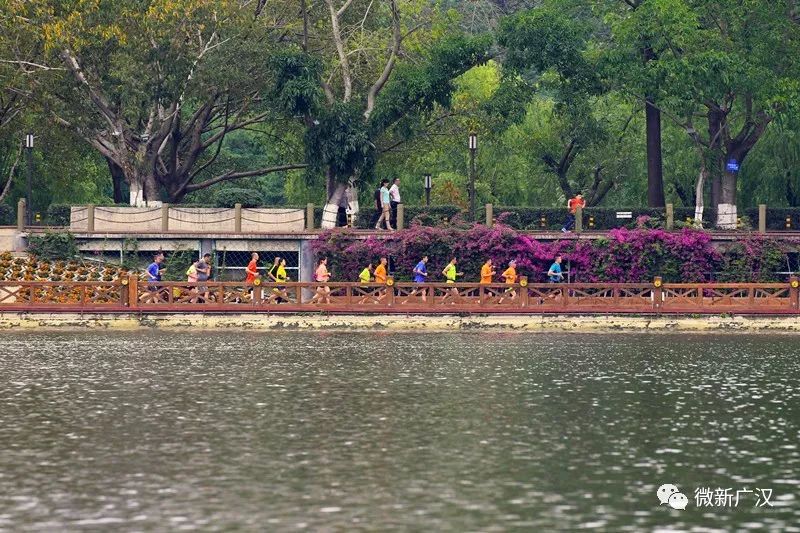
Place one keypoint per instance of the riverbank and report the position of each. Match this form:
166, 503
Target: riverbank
433, 323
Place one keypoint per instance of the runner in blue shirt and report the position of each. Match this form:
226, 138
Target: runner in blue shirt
554, 275
154, 271
420, 275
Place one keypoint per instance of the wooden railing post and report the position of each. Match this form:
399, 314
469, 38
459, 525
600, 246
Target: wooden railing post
670, 217
579, 220
133, 291
237, 218
794, 293
523, 291
309, 216
489, 215
658, 293
21, 210
164, 217
90, 218
762, 218
390, 291
401, 216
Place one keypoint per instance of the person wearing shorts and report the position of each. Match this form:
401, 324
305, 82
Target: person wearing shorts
322, 275
420, 275
510, 277
450, 274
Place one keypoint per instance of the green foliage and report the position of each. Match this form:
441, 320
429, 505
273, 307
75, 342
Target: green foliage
177, 263
340, 141
296, 77
53, 245
229, 197
58, 214
8, 215
418, 87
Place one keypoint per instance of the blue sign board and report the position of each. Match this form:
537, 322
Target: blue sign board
732, 166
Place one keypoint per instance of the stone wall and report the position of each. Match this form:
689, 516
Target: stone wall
185, 219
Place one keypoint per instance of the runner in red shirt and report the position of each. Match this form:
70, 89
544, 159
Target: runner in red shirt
252, 270
573, 204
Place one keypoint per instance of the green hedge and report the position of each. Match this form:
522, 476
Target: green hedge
232, 196
8, 215
58, 214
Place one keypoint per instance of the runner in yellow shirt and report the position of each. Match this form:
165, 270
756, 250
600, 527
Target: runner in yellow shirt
451, 273
510, 276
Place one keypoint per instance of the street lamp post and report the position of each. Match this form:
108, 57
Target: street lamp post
428, 187
29, 199
473, 147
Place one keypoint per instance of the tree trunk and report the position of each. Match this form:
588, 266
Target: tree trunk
117, 178
698, 195
792, 194
329, 214
655, 170
726, 208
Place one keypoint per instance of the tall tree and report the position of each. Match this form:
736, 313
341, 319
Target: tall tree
361, 68
723, 81
157, 86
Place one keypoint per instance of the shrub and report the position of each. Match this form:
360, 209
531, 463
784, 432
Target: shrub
7, 215
626, 255
53, 246
231, 196
58, 214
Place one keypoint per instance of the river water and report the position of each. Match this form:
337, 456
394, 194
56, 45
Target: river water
380, 432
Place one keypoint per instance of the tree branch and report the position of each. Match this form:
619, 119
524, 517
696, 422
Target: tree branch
337, 39
387, 70
244, 174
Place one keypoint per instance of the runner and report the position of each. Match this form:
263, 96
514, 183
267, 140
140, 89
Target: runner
420, 275
251, 274
380, 277
487, 273
321, 275
510, 277
154, 272
554, 275
273, 275
204, 274
366, 274
450, 273
279, 293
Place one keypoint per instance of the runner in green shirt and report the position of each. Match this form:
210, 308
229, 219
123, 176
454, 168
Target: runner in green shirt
450, 273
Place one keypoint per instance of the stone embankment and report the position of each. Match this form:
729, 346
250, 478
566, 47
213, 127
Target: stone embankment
12, 321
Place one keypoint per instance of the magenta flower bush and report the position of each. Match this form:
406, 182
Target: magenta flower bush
625, 255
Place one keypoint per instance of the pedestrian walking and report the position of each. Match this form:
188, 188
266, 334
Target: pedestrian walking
394, 200
385, 207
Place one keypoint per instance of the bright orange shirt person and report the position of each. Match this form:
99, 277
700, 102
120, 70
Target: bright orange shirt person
575, 203
486, 274
380, 273
252, 271
510, 275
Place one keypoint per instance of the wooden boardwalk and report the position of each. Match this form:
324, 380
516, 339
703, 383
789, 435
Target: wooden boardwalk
132, 295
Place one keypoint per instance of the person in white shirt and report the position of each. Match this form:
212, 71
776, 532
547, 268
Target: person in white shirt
394, 195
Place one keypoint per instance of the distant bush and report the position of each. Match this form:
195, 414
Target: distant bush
58, 214
232, 196
7, 215
53, 245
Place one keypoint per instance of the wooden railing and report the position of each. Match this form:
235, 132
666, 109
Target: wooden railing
131, 294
